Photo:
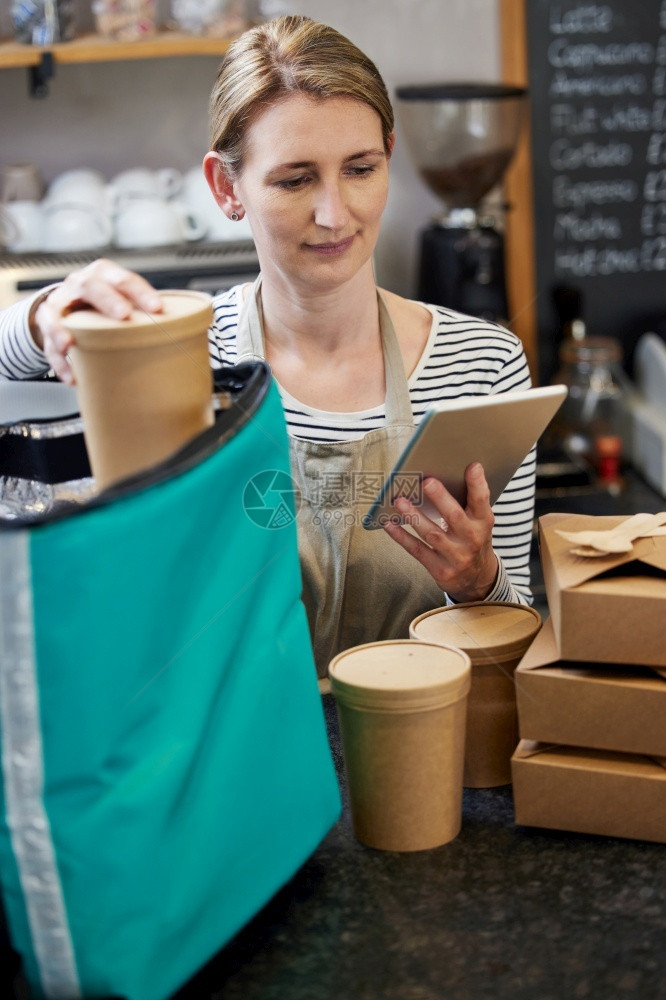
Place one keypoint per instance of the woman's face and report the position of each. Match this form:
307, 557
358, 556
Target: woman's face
314, 185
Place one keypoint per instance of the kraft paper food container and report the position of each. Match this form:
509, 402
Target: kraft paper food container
144, 384
402, 706
610, 609
601, 706
590, 791
494, 635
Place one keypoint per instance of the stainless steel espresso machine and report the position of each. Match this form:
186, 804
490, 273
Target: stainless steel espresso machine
461, 137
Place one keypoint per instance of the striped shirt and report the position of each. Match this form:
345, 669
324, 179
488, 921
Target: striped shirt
463, 357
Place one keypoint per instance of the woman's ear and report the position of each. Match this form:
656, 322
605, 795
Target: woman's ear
391, 144
221, 185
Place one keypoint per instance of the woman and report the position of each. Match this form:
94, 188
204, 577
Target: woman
301, 139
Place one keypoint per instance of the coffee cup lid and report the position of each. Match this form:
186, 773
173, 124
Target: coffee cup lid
486, 630
184, 314
400, 675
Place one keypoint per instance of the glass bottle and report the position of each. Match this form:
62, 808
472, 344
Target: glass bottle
591, 422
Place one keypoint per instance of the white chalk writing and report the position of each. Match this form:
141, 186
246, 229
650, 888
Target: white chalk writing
568, 119
590, 262
607, 113
579, 194
562, 85
587, 55
654, 188
565, 156
568, 225
656, 150
653, 220
583, 20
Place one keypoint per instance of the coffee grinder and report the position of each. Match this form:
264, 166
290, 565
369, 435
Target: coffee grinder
461, 138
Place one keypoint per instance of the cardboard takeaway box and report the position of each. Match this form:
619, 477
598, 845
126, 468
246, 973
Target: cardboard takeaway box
609, 609
589, 791
601, 706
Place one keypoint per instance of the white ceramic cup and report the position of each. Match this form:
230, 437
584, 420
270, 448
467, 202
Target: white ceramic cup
199, 199
140, 182
79, 187
154, 222
21, 182
75, 227
21, 226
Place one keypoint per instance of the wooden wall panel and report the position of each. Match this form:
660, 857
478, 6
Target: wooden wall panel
521, 282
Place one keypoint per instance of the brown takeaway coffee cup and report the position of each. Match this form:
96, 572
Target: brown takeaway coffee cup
495, 635
144, 384
402, 706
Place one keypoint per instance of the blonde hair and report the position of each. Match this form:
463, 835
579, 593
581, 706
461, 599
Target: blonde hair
287, 55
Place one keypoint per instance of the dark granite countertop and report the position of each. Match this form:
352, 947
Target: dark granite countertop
501, 912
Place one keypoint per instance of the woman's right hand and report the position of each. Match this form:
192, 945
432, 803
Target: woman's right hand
104, 285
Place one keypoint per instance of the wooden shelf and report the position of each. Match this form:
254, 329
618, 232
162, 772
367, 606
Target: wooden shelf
95, 48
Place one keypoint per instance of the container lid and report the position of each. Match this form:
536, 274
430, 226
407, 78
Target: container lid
488, 631
184, 314
400, 675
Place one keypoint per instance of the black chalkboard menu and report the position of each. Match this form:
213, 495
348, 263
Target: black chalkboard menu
597, 79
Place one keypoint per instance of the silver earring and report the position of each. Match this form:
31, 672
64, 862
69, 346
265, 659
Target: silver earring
234, 216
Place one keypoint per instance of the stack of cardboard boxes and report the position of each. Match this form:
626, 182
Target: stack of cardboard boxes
591, 690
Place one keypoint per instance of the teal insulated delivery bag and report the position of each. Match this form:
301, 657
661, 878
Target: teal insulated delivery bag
165, 763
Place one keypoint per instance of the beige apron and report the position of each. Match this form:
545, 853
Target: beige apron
358, 585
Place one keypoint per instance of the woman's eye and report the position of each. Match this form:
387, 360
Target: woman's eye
361, 171
292, 183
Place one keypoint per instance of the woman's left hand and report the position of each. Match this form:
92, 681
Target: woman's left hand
459, 553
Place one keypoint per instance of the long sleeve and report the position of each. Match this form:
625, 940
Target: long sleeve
20, 358
514, 509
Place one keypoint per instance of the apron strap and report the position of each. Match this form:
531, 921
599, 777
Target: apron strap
249, 335
398, 404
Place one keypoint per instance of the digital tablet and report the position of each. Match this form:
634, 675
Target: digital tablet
497, 431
